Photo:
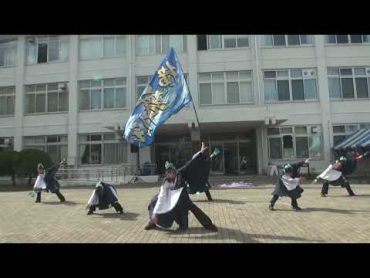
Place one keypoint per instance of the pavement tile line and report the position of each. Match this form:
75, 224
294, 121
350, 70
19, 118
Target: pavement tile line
242, 216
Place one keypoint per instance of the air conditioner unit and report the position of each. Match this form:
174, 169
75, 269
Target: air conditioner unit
315, 129
117, 128
273, 120
62, 86
31, 40
309, 73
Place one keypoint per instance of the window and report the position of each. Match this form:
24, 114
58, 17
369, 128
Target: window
44, 98
55, 145
286, 40
46, 49
6, 144
7, 100
222, 41
141, 83
294, 142
234, 87
159, 44
349, 83
101, 149
290, 85
8, 54
103, 94
347, 39
340, 132
96, 47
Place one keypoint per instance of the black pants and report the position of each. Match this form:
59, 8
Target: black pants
341, 181
181, 213
208, 194
276, 197
117, 206
60, 196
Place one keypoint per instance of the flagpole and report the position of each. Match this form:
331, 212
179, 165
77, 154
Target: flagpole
195, 111
138, 160
192, 101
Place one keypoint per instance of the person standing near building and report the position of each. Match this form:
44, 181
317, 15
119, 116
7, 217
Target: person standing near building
47, 181
288, 184
172, 204
197, 173
104, 196
336, 174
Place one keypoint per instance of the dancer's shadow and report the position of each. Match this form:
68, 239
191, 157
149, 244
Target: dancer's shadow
362, 196
342, 211
66, 203
347, 196
222, 201
306, 210
125, 216
239, 236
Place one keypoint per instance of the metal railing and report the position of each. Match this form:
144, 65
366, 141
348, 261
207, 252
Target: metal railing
115, 173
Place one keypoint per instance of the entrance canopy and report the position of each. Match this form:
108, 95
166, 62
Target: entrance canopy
360, 138
207, 128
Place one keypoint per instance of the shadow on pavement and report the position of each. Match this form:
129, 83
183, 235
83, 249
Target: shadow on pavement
66, 203
124, 216
239, 236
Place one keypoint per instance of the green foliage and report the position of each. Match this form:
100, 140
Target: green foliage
6, 163
27, 161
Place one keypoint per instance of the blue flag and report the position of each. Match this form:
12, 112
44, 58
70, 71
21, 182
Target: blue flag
165, 95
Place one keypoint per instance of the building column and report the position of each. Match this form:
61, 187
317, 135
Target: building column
73, 107
132, 158
261, 141
194, 128
19, 93
323, 94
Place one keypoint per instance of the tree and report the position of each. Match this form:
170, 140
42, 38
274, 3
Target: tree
7, 162
27, 161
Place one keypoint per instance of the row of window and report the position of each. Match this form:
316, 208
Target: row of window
215, 88
291, 142
7, 100
6, 144
347, 39
284, 142
349, 83
296, 142
43, 98
290, 85
48, 49
93, 148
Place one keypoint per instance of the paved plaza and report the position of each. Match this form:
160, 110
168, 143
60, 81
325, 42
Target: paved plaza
242, 216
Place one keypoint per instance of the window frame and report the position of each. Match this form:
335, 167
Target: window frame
47, 94
160, 38
102, 142
353, 77
101, 89
349, 39
47, 39
294, 134
101, 39
5, 96
8, 46
45, 144
225, 83
290, 78
286, 41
